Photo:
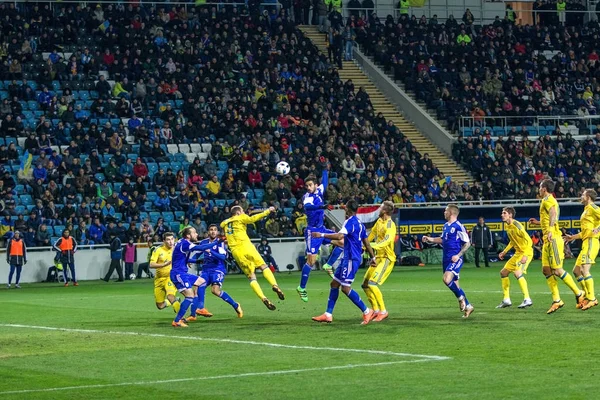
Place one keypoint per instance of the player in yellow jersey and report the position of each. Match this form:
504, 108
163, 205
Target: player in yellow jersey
245, 254
519, 239
381, 237
161, 261
590, 224
553, 248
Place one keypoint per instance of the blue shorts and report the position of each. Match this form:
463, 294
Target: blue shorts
183, 281
346, 271
213, 277
449, 266
313, 245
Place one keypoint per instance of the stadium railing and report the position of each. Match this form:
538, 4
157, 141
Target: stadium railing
538, 125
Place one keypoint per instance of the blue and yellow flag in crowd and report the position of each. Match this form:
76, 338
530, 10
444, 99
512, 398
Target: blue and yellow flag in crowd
26, 162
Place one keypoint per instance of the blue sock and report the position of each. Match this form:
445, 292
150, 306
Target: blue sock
355, 298
305, 274
335, 254
194, 306
185, 304
201, 296
333, 296
462, 293
455, 289
227, 299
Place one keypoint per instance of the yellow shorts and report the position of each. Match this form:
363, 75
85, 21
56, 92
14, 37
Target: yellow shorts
514, 263
379, 273
589, 252
553, 253
247, 258
162, 288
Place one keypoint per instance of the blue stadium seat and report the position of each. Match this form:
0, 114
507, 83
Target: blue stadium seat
174, 227
222, 165
20, 210
154, 216
220, 203
58, 229
152, 168
168, 216
151, 196
164, 165
117, 186
25, 199
179, 215
115, 122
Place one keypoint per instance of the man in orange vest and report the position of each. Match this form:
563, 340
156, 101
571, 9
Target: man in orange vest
67, 246
16, 257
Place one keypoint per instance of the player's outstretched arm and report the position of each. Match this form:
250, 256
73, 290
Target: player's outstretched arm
331, 236
433, 240
259, 216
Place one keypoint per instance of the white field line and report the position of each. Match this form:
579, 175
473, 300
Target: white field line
233, 341
206, 378
420, 358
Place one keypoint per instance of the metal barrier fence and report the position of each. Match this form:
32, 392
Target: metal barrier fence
537, 125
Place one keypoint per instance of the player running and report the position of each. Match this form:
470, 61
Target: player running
161, 261
186, 284
214, 270
383, 233
518, 263
455, 243
246, 255
355, 236
314, 205
590, 224
553, 248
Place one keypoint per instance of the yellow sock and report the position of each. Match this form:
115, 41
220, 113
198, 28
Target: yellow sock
269, 277
379, 296
589, 286
371, 298
581, 282
523, 284
256, 287
553, 285
176, 306
505, 288
568, 280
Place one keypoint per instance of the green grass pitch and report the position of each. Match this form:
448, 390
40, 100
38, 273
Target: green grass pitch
114, 343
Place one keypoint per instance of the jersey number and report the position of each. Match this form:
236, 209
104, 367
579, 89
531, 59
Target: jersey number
230, 228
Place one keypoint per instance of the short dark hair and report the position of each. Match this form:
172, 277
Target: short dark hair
167, 235
352, 206
511, 211
310, 178
186, 231
549, 185
213, 225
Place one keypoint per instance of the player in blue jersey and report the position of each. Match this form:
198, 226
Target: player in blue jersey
354, 234
314, 205
187, 284
214, 270
455, 243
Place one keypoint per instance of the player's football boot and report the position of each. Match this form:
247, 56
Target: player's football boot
329, 270
555, 306
279, 292
381, 316
191, 318
504, 304
303, 294
66, 284
75, 284
590, 304
580, 298
239, 311
368, 317
18, 286
323, 318
203, 312
526, 303
462, 304
180, 324
468, 311
268, 304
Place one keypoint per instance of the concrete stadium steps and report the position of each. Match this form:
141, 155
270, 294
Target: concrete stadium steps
388, 109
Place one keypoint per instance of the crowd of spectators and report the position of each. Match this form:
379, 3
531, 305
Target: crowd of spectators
463, 69
129, 91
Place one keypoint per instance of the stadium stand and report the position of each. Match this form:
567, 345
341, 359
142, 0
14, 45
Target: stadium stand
115, 116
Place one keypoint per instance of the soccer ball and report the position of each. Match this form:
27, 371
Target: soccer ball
282, 168
132, 277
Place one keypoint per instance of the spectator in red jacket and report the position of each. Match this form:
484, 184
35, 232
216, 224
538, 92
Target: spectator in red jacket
255, 179
140, 170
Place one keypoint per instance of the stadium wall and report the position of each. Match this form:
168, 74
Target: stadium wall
92, 264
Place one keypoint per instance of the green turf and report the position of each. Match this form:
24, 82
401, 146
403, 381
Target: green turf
505, 354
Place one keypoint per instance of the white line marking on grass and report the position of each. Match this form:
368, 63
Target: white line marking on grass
234, 341
206, 378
